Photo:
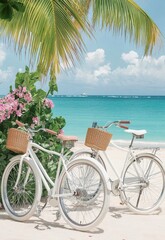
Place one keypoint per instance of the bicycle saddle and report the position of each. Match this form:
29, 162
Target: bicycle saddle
67, 138
137, 133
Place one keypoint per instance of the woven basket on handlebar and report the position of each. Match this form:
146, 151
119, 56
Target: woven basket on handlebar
97, 139
17, 140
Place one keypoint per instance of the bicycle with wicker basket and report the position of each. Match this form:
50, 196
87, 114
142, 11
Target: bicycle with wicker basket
141, 185
74, 191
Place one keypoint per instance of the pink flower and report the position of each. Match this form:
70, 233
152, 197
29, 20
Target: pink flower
24, 89
28, 97
48, 103
35, 120
20, 95
12, 103
19, 113
2, 117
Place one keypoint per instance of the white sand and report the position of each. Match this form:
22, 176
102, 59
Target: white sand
119, 224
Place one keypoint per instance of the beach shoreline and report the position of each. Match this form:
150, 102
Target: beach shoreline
125, 143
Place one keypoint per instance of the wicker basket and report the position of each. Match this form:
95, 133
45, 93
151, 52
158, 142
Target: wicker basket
97, 139
17, 140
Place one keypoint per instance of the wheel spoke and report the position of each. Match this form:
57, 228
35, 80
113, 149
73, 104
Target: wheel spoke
19, 200
88, 204
144, 184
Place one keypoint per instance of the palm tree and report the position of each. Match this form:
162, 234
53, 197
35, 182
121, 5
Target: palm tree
51, 31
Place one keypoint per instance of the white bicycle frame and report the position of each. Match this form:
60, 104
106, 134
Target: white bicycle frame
129, 158
30, 155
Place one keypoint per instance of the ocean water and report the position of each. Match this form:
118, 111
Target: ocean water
144, 112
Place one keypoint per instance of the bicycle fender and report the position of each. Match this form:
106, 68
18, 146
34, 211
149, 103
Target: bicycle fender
26, 157
14, 158
80, 151
148, 155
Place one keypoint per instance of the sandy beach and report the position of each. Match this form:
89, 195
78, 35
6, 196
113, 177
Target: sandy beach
119, 224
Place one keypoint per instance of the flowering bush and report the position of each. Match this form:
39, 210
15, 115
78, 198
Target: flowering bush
31, 106
14, 104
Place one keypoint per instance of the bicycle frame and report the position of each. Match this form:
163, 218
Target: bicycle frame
30, 154
130, 157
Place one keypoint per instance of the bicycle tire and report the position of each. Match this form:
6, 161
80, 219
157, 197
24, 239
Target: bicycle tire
149, 194
82, 210
20, 202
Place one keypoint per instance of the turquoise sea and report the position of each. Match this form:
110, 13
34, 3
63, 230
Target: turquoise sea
144, 112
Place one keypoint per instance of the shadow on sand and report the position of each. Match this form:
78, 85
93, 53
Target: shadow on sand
41, 224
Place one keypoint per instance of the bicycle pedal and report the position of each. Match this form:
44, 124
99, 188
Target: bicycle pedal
115, 187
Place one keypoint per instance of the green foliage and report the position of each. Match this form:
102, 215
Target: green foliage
37, 113
52, 85
7, 8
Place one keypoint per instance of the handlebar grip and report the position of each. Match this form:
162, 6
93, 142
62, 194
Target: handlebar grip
50, 131
122, 126
125, 122
20, 124
94, 124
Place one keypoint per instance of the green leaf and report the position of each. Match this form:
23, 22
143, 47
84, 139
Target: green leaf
20, 7
11, 88
3, 1
52, 85
40, 94
6, 11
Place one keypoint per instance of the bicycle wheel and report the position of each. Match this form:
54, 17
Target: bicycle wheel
88, 153
80, 202
20, 201
143, 184
92, 154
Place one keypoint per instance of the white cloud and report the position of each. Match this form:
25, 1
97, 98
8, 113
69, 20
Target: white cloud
142, 68
5, 74
2, 54
94, 69
138, 75
103, 71
95, 58
20, 70
131, 57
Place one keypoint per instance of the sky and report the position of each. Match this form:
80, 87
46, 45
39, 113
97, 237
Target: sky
111, 65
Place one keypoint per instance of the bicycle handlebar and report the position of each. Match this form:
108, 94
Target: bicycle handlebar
122, 126
20, 124
116, 123
125, 122
50, 131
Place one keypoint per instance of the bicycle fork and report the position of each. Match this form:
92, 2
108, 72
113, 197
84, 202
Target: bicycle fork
20, 171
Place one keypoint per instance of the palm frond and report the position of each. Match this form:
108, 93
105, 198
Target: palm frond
50, 31
128, 19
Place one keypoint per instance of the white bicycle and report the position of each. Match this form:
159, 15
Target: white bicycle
141, 185
74, 191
